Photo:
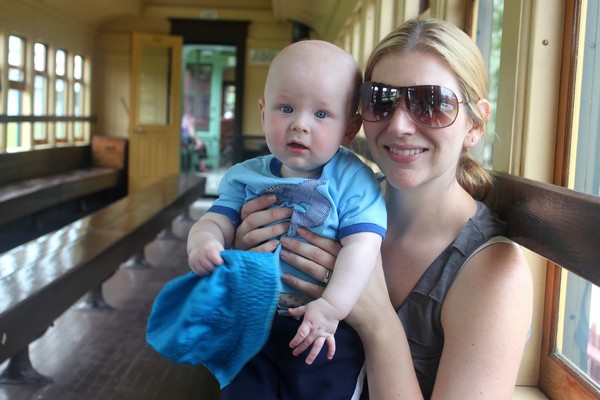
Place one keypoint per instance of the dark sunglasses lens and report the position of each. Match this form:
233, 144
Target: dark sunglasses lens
377, 102
432, 106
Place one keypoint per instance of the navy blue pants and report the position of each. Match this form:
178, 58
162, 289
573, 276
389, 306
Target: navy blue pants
275, 373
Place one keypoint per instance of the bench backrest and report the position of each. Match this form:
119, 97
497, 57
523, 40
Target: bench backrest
557, 223
25, 165
103, 151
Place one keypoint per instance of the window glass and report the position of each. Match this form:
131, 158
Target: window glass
489, 39
40, 91
15, 93
14, 130
39, 57
16, 59
77, 110
60, 95
77, 67
40, 94
78, 96
59, 63
60, 104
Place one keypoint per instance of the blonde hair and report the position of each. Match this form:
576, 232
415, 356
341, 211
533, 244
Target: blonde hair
463, 57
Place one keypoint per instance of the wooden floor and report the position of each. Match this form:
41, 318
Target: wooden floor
92, 354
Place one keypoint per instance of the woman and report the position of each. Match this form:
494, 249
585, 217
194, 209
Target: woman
448, 326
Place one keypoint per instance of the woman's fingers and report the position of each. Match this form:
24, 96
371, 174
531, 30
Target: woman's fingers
319, 251
259, 224
300, 262
257, 204
309, 289
329, 246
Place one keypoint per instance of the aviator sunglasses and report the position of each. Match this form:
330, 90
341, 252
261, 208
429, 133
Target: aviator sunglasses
431, 106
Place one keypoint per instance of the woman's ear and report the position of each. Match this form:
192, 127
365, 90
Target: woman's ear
354, 124
476, 131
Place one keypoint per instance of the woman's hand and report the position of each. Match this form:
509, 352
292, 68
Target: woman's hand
316, 258
260, 225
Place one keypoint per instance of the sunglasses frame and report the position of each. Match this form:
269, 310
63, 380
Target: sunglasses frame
366, 90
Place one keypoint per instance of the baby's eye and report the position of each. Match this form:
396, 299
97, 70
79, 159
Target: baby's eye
321, 114
286, 109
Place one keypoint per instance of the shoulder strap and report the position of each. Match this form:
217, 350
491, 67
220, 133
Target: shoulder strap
495, 239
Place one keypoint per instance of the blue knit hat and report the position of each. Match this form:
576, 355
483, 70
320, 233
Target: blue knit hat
221, 320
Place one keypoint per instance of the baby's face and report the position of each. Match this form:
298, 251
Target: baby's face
305, 114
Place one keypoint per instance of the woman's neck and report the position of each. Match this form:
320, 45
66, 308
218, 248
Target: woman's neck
428, 208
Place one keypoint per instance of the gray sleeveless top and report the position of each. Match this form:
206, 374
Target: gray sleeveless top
421, 311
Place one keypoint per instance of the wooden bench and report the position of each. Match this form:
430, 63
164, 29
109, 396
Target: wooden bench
41, 279
559, 224
42, 190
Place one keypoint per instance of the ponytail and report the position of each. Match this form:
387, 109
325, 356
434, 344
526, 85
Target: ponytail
475, 179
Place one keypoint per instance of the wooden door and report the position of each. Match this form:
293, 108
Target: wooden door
154, 127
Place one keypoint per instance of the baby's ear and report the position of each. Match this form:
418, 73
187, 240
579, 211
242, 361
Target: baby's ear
261, 107
354, 124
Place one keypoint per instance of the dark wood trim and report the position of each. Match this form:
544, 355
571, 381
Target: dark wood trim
567, 89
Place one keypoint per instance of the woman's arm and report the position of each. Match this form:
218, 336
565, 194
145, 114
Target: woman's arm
486, 317
390, 370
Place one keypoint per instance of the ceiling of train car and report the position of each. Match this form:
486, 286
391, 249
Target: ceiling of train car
322, 16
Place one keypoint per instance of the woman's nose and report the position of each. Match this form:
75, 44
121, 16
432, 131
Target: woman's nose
400, 120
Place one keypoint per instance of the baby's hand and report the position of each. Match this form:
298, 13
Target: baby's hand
316, 329
204, 258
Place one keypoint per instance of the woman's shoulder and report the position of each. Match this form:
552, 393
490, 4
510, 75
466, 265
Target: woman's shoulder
497, 263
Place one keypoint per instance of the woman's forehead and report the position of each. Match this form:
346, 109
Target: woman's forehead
414, 68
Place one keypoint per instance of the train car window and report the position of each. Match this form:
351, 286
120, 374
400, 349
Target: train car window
574, 336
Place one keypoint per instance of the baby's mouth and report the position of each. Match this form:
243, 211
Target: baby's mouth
298, 146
